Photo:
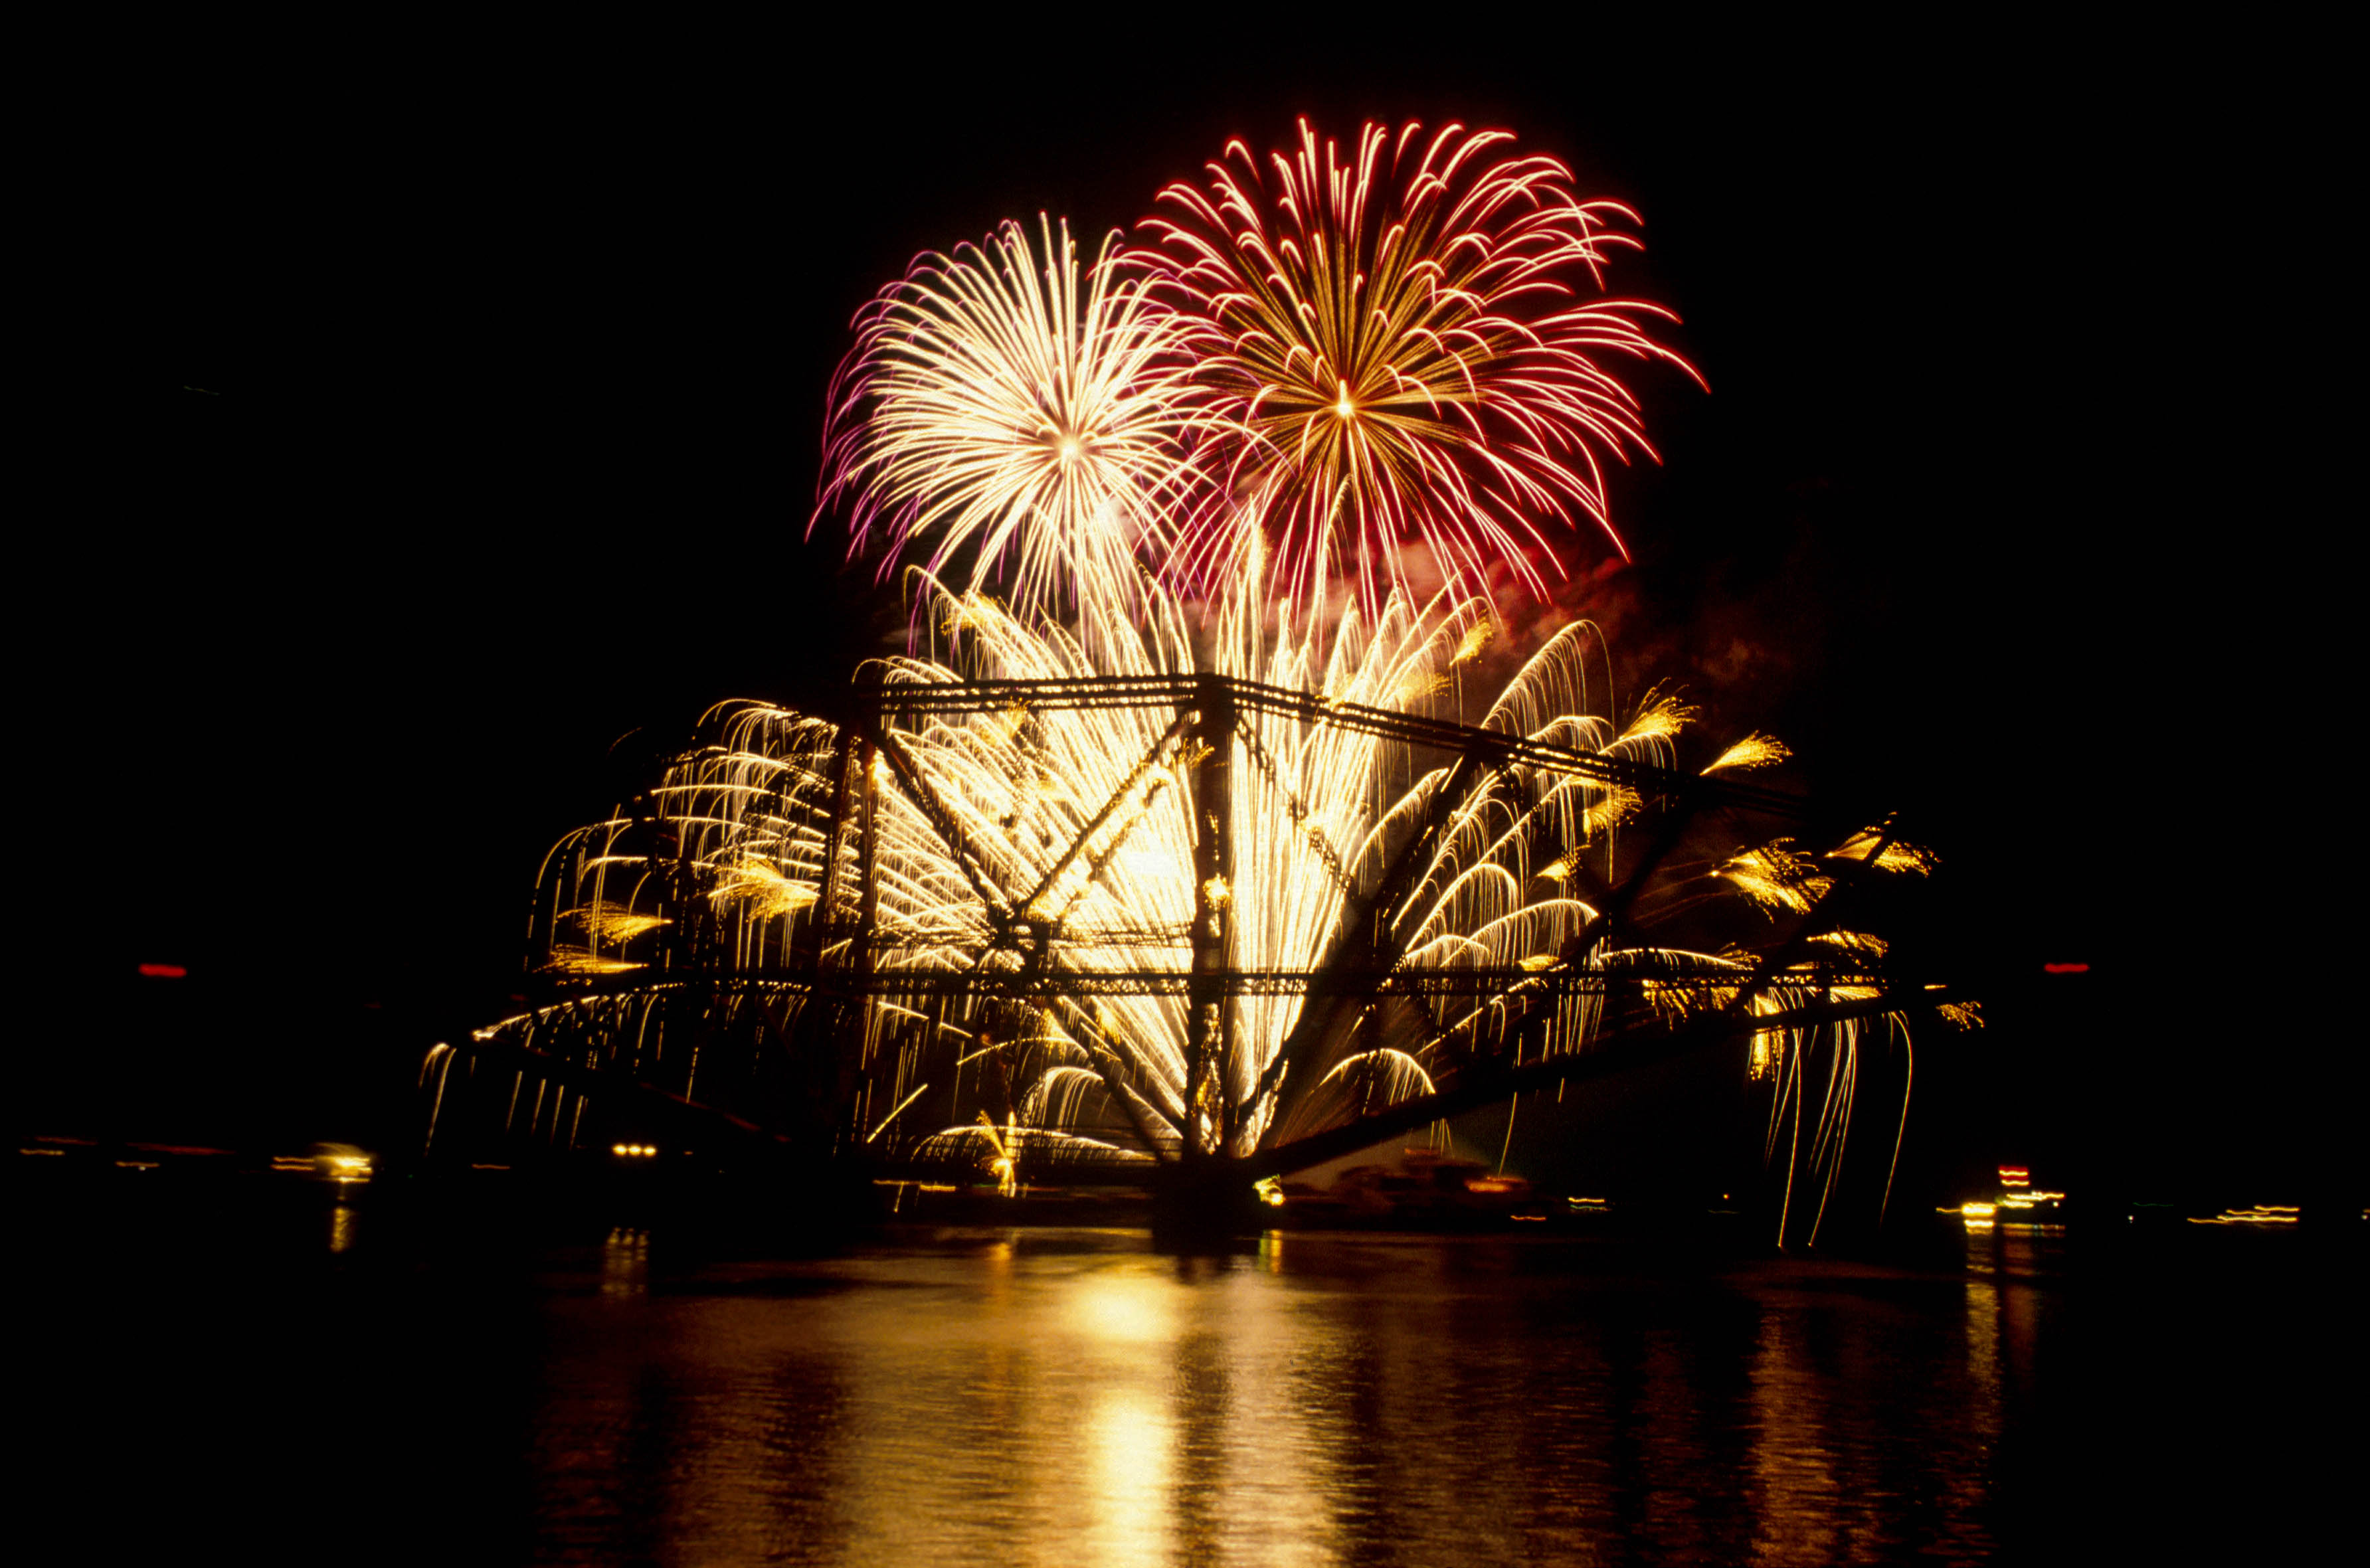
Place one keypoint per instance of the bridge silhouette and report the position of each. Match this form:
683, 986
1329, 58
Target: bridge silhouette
769, 1007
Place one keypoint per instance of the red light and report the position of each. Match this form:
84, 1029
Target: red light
2065, 968
2015, 1176
165, 971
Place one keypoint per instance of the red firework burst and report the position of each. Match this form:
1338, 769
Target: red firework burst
1407, 348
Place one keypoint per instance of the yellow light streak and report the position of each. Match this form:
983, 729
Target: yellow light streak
1753, 751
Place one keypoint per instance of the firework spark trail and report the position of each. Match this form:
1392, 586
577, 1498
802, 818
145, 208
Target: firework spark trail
998, 402
1396, 350
1028, 788
1090, 811
1354, 359
1314, 809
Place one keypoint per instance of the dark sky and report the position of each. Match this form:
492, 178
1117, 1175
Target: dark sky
513, 354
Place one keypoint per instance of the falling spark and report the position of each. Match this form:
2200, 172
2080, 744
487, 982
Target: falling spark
1775, 876
613, 923
1909, 859
1753, 751
580, 961
764, 889
1660, 717
1476, 638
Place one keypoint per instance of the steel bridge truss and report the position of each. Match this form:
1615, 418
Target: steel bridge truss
842, 972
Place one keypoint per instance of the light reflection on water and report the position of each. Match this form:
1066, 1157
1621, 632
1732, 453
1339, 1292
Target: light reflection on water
1069, 1398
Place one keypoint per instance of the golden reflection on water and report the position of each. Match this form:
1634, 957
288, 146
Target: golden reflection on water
1121, 1312
625, 1263
1067, 1400
1792, 1460
1129, 1435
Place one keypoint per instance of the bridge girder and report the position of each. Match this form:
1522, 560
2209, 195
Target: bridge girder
847, 961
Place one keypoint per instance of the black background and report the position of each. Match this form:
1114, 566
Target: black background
464, 448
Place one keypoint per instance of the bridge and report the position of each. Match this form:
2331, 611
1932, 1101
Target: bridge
811, 940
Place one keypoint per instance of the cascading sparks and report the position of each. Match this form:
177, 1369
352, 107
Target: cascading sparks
1175, 463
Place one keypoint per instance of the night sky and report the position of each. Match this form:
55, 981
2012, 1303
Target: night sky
513, 355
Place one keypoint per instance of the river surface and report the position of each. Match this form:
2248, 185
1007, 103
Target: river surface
1074, 1397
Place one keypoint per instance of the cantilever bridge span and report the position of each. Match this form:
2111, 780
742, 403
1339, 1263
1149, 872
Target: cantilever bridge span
834, 940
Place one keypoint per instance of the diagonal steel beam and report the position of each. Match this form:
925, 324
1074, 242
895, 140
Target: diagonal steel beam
1107, 1067
1078, 846
1298, 810
591, 1080
1365, 946
1537, 991
942, 821
1641, 1046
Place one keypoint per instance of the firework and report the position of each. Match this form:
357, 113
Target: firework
1171, 460
1071, 841
998, 404
1406, 349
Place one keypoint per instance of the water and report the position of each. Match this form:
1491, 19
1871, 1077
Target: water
1072, 1397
